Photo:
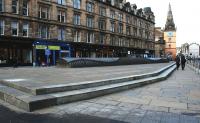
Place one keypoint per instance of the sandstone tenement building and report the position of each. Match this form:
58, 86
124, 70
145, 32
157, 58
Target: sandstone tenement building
35, 31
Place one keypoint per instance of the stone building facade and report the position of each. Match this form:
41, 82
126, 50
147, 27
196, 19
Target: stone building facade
37, 31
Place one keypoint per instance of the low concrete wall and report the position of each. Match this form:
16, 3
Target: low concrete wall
93, 62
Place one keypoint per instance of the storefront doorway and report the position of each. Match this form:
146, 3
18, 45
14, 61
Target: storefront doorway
47, 53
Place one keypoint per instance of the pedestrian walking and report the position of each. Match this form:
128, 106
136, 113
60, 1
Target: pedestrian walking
183, 60
177, 59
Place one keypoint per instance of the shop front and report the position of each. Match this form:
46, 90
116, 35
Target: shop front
14, 50
47, 53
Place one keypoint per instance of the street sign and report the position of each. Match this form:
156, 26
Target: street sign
54, 47
40, 47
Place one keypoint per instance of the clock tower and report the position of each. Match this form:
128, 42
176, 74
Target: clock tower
170, 36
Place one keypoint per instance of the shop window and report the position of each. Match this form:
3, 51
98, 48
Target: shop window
3, 56
27, 56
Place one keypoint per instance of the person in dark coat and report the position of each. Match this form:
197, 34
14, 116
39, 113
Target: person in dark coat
177, 59
183, 60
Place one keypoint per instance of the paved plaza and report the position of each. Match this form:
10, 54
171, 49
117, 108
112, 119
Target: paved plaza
45, 76
175, 100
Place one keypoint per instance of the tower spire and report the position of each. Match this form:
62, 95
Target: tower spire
170, 7
170, 26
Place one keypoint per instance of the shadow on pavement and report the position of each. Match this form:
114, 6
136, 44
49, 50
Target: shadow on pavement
9, 116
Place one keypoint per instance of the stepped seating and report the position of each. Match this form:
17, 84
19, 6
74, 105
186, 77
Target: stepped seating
30, 99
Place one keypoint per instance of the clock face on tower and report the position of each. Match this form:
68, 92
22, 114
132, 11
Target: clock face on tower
169, 34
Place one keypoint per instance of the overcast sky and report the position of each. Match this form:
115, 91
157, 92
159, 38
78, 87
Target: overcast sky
186, 17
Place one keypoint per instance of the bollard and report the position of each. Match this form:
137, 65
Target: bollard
34, 64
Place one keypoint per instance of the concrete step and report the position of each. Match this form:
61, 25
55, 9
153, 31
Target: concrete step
30, 102
78, 85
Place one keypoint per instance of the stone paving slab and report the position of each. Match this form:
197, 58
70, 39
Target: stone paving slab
46, 76
153, 103
158, 106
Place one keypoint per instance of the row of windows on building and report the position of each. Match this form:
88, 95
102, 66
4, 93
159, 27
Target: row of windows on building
15, 28
43, 12
43, 30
